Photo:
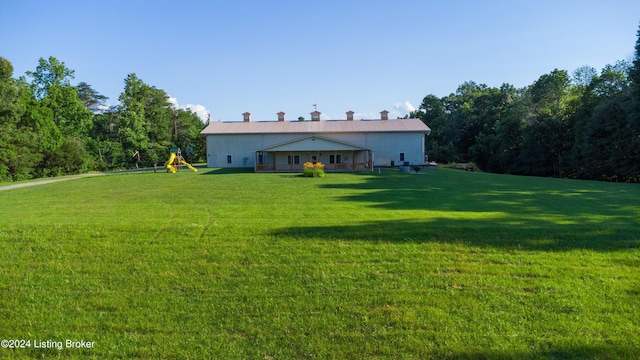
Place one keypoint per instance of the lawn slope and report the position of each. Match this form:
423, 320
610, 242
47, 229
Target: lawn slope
232, 264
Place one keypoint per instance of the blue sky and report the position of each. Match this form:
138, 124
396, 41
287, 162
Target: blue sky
228, 57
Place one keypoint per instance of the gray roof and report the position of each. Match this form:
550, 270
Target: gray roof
316, 127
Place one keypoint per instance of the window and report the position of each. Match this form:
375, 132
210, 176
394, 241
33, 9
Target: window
338, 159
228, 159
332, 159
401, 156
296, 159
260, 159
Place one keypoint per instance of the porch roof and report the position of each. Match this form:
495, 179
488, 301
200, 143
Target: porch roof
314, 143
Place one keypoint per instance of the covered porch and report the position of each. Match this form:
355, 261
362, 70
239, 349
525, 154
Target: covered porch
291, 156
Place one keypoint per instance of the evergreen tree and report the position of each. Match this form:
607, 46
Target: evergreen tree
633, 126
93, 100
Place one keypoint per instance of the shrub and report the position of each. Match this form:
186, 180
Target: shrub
313, 170
462, 166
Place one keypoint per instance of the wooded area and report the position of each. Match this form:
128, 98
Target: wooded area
50, 127
584, 126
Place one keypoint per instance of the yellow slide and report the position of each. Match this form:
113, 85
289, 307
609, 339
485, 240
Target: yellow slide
169, 163
189, 166
172, 159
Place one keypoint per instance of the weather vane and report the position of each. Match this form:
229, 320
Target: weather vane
315, 106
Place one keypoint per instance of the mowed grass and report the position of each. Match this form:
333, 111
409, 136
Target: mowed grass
237, 265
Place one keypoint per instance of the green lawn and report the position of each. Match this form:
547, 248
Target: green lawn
237, 265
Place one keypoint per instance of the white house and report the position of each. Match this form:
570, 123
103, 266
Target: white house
342, 145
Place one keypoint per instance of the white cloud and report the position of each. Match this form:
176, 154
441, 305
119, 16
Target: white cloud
200, 110
405, 107
102, 108
174, 102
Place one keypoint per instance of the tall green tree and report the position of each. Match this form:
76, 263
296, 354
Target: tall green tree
583, 76
633, 126
439, 144
10, 106
51, 72
160, 114
548, 127
19, 156
104, 142
133, 127
601, 128
149, 125
51, 86
634, 71
510, 136
493, 106
52, 90
187, 127
69, 113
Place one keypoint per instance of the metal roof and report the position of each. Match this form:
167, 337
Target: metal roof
315, 127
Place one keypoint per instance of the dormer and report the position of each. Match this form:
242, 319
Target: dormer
281, 116
315, 115
384, 115
247, 116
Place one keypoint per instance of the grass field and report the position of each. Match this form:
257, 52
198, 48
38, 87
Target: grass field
237, 265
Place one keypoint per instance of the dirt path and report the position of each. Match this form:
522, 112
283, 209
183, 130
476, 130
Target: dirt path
47, 181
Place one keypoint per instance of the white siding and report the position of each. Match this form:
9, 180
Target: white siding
386, 146
240, 147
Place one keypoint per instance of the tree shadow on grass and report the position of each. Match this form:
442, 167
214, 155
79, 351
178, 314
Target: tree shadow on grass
489, 210
224, 171
497, 233
608, 351
451, 190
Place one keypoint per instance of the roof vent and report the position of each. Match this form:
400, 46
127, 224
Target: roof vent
384, 115
349, 115
247, 116
315, 115
281, 116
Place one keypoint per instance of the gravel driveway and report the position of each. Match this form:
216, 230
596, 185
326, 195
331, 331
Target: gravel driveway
46, 181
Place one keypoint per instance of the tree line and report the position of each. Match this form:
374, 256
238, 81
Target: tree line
49, 127
585, 125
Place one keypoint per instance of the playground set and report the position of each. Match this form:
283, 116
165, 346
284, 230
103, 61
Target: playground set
176, 161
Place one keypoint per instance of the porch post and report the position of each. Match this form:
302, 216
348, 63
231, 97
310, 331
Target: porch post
275, 163
353, 160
